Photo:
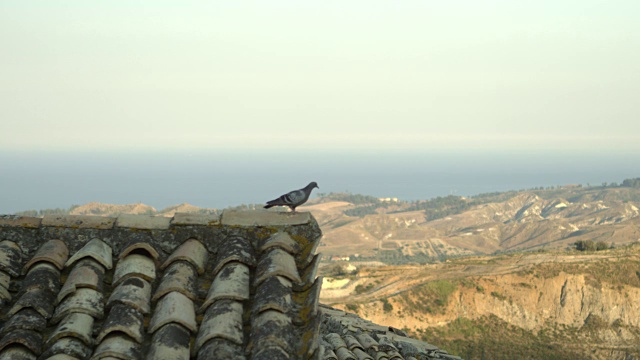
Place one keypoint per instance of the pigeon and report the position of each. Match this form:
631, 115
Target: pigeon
294, 198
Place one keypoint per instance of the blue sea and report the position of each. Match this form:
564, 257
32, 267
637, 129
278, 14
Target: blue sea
39, 180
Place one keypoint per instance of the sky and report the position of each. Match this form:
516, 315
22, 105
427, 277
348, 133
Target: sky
225, 102
193, 76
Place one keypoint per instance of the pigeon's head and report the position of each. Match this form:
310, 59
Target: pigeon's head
312, 185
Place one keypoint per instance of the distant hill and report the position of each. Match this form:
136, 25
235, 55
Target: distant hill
441, 228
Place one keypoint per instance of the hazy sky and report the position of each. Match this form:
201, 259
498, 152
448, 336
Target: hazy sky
196, 75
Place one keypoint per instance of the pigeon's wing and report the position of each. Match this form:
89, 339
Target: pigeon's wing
294, 197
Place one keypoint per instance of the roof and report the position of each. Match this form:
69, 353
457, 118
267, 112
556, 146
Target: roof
240, 285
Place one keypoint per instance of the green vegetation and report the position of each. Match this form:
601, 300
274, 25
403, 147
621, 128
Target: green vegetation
431, 297
633, 183
43, 212
441, 206
492, 338
356, 199
386, 306
589, 245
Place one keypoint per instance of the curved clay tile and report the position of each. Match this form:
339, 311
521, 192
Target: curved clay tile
171, 341
307, 302
43, 276
223, 319
191, 251
135, 292
269, 329
283, 241
17, 353
53, 251
174, 308
125, 319
273, 294
96, 249
138, 246
231, 282
87, 273
219, 348
277, 262
70, 346
134, 265
84, 300
234, 248
10, 257
119, 346
77, 325
30, 339
37, 298
345, 354
180, 276
25, 319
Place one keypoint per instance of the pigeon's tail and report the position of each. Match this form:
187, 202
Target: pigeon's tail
268, 206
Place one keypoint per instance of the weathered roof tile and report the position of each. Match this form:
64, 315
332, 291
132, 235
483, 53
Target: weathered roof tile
39, 299
17, 352
53, 251
174, 308
25, 319
270, 328
345, 354
281, 240
273, 294
134, 265
96, 249
125, 319
30, 339
231, 282
191, 251
223, 319
219, 348
135, 292
76, 325
118, 346
87, 273
137, 245
180, 276
10, 257
170, 341
277, 262
84, 300
70, 346
234, 248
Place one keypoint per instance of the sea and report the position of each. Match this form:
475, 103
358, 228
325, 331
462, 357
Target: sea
218, 179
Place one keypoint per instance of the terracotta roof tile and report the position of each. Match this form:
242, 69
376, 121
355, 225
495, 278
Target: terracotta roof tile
231, 282
96, 249
134, 265
174, 308
180, 276
76, 325
134, 292
191, 251
53, 251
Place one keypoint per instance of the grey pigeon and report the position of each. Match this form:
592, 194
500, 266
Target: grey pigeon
294, 198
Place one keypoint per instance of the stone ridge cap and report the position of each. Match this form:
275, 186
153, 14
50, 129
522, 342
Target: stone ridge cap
242, 218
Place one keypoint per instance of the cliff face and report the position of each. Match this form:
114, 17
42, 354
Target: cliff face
578, 305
